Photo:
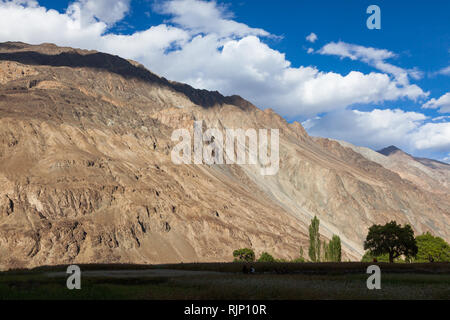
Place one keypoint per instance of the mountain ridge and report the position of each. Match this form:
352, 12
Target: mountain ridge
52, 55
429, 174
87, 174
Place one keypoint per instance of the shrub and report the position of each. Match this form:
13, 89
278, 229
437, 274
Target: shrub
244, 255
266, 257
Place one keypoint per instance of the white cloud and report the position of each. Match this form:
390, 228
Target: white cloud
310, 50
446, 159
377, 128
312, 37
104, 10
443, 103
380, 128
206, 17
268, 80
30, 3
373, 57
440, 118
435, 136
44, 25
201, 45
445, 71
356, 52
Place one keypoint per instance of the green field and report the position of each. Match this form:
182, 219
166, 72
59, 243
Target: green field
225, 281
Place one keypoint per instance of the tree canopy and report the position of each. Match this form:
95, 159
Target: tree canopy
333, 250
314, 240
391, 239
432, 249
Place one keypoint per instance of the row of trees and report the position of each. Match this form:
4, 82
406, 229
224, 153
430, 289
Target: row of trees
331, 252
318, 250
384, 243
392, 242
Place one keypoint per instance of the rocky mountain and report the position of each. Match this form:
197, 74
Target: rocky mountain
431, 175
87, 175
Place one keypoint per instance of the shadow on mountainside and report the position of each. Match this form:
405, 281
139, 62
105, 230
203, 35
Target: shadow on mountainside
122, 67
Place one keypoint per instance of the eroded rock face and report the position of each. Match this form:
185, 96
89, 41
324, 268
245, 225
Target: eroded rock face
86, 174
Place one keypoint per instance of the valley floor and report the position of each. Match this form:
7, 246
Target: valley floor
274, 281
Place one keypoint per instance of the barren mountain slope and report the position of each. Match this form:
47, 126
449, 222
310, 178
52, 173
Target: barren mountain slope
86, 172
431, 175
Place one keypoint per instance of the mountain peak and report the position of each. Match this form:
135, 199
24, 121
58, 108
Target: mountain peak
86, 152
390, 150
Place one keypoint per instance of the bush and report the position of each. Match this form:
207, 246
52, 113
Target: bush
368, 257
244, 255
266, 257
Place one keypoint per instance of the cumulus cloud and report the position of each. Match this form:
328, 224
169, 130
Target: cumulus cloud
108, 11
201, 45
380, 128
312, 37
44, 25
435, 136
268, 80
376, 128
373, 57
206, 17
443, 103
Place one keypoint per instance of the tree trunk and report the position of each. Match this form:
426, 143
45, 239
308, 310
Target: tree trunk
391, 257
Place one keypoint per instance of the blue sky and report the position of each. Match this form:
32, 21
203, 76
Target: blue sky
370, 87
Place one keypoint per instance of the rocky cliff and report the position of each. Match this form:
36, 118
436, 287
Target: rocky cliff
86, 173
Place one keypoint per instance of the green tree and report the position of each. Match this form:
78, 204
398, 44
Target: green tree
325, 252
244, 255
334, 251
301, 254
314, 240
266, 257
391, 239
432, 249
